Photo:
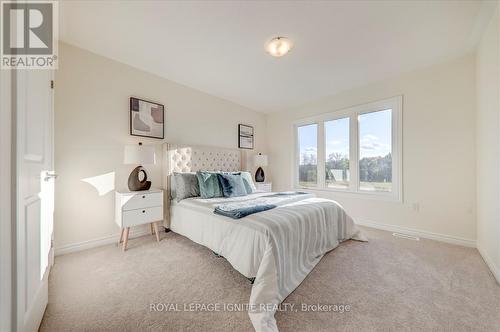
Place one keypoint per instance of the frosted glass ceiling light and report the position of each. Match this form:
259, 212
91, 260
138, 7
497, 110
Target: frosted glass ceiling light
279, 46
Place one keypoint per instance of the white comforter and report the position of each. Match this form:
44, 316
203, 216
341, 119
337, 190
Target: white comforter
278, 247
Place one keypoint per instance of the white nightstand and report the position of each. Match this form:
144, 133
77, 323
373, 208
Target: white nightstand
264, 186
133, 208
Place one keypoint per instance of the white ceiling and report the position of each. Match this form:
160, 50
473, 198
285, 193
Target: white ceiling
218, 46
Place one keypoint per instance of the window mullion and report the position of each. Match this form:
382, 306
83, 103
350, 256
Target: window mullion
354, 152
296, 157
321, 154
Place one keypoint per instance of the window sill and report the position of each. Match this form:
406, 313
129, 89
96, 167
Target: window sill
388, 197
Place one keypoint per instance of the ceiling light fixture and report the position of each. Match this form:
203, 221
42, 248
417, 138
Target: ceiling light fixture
279, 46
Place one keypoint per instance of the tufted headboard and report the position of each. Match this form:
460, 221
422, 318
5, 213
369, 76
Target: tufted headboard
190, 158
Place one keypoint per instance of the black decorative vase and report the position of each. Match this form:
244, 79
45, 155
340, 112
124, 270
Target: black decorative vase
259, 175
134, 184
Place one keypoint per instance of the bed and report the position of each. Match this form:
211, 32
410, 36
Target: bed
276, 249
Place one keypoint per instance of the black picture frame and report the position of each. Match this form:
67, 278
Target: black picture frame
159, 115
245, 137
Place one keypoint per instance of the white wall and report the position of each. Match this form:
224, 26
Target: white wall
92, 126
488, 145
438, 150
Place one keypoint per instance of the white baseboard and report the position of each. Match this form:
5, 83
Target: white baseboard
495, 270
415, 232
67, 249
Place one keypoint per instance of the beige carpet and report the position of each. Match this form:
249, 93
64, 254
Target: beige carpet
391, 284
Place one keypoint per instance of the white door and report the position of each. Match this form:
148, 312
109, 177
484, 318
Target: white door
35, 194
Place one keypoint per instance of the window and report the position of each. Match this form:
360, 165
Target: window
337, 153
375, 157
308, 152
356, 150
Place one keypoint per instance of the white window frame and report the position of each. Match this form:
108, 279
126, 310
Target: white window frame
396, 105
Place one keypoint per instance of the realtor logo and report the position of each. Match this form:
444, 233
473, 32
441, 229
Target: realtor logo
29, 34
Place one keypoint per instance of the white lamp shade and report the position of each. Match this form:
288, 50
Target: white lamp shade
139, 155
260, 160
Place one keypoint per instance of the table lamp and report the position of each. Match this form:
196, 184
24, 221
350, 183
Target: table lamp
139, 155
260, 160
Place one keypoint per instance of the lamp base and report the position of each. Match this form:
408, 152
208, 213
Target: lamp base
259, 175
134, 184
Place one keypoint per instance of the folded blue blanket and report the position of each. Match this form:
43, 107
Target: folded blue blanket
286, 193
243, 212
240, 209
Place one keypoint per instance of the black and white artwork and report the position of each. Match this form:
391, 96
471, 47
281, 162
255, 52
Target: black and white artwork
147, 119
245, 136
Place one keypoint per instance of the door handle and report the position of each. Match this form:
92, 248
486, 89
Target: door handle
49, 176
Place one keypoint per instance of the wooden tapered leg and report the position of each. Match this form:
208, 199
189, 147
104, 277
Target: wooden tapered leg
152, 229
155, 226
125, 240
121, 235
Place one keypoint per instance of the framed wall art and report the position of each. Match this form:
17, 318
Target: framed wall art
147, 119
245, 136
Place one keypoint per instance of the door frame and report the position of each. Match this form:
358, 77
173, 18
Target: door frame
7, 203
